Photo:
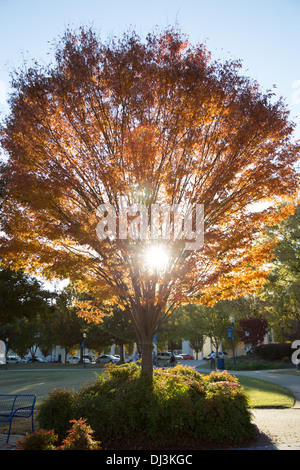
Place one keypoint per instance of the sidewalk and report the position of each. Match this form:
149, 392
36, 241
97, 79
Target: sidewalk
11, 443
280, 426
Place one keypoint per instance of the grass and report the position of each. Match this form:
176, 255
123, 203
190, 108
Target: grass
263, 394
244, 363
289, 372
41, 382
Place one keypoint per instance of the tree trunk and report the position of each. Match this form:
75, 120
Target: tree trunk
122, 359
147, 363
66, 353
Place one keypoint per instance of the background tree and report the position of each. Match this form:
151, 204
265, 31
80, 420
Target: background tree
252, 330
46, 339
23, 337
7, 334
97, 338
192, 325
67, 327
154, 121
20, 296
216, 321
117, 325
170, 333
281, 294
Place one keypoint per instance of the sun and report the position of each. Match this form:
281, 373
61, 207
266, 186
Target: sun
157, 257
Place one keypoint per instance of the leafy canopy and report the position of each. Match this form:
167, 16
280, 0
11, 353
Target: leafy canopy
156, 121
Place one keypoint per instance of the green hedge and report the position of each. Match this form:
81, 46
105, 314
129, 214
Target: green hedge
274, 351
182, 407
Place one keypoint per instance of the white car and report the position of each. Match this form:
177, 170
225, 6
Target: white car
166, 355
73, 360
215, 355
89, 358
178, 357
108, 358
76, 360
12, 359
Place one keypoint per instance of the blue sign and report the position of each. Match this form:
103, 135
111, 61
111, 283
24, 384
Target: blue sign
155, 338
82, 343
229, 332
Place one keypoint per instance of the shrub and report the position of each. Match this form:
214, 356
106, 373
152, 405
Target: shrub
222, 377
39, 440
56, 411
274, 351
79, 437
126, 412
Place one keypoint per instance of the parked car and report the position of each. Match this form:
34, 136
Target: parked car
89, 358
12, 359
165, 356
76, 360
187, 357
35, 359
178, 357
214, 355
107, 358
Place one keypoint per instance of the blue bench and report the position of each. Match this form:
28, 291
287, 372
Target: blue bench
16, 406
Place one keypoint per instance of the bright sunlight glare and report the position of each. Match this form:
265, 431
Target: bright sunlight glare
156, 257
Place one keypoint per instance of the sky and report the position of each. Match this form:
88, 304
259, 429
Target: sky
264, 34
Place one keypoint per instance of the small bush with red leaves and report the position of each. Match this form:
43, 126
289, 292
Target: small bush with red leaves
39, 440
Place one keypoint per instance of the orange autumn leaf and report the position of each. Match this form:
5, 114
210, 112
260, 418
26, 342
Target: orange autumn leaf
156, 122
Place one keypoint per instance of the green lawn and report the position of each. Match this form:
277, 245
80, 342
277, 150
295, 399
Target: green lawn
41, 382
264, 394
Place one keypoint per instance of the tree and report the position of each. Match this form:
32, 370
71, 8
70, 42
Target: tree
134, 121
97, 338
22, 336
66, 326
215, 322
252, 330
117, 325
20, 295
192, 322
281, 294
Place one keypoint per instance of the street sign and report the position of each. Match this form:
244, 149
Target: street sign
229, 332
155, 338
